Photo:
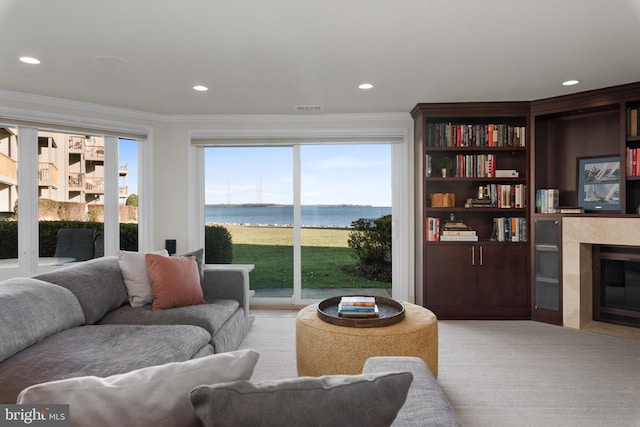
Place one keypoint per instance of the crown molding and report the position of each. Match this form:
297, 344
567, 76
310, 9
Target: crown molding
48, 101
309, 117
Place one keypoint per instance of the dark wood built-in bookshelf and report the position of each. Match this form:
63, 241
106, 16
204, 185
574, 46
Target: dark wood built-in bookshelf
491, 279
487, 278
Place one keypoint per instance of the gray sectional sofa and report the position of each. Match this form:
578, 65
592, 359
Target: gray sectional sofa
76, 321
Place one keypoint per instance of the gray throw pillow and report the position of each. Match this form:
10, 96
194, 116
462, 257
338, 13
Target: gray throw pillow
333, 400
199, 254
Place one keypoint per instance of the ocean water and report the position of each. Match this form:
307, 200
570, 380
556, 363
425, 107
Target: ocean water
311, 215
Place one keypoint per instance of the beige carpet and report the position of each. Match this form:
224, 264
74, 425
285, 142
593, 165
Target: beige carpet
504, 373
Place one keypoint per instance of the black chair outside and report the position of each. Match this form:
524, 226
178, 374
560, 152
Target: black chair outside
77, 243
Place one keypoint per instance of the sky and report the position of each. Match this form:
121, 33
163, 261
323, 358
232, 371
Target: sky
330, 174
128, 153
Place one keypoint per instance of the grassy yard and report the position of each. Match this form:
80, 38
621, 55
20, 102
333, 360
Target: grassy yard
325, 253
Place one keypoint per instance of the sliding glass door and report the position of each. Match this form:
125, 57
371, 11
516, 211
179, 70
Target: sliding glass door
291, 210
248, 191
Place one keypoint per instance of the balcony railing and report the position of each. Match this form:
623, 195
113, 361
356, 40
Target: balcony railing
95, 152
76, 180
8, 168
94, 184
124, 169
76, 142
123, 191
47, 173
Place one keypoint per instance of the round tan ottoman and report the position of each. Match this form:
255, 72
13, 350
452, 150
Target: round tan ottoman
326, 349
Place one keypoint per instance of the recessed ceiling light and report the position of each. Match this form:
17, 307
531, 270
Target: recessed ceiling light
29, 60
570, 82
365, 86
200, 88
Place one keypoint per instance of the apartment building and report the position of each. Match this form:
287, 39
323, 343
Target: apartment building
70, 169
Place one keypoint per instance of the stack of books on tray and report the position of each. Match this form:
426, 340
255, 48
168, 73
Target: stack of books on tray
358, 307
457, 231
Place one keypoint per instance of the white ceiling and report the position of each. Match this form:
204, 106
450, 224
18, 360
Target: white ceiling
266, 56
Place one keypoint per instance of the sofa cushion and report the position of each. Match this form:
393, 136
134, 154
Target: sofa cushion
97, 284
199, 254
31, 310
175, 281
426, 403
367, 400
156, 396
209, 316
136, 276
100, 350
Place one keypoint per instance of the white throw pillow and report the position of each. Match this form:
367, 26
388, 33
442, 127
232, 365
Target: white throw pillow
136, 276
156, 396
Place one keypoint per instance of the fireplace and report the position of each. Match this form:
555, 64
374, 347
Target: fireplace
616, 284
579, 235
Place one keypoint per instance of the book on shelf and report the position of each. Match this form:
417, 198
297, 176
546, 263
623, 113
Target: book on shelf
358, 301
506, 173
460, 238
570, 210
454, 225
466, 232
632, 122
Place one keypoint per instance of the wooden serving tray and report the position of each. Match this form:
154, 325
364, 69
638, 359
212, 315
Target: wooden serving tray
391, 312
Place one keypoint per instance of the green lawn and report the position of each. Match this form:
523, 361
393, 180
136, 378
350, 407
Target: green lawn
325, 253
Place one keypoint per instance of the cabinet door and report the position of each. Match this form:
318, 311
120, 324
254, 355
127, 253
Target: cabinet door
547, 282
503, 277
449, 276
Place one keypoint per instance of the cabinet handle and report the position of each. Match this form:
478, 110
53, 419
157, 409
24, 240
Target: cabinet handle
473, 255
481, 256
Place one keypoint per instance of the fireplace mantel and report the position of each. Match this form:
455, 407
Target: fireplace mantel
578, 235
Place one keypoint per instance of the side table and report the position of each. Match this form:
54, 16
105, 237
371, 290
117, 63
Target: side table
326, 349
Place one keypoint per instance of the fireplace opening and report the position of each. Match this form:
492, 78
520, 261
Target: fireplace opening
616, 284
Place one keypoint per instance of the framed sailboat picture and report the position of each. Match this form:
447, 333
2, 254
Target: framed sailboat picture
599, 183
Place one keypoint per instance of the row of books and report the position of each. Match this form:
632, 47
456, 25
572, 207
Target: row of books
451, 231
633, 161
505, 229
358, 306
502, 196
510, 229
547, 200
470, 165
475, 135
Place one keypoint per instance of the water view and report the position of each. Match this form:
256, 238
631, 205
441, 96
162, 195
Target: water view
311, 215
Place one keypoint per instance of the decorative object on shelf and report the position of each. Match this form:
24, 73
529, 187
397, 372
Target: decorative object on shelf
599, 183
443, 200
445, 164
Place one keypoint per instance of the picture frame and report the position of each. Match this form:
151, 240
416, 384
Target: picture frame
599, 183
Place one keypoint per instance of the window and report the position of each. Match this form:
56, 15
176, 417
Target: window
66, 181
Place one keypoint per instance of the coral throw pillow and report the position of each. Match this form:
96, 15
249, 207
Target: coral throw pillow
175, 281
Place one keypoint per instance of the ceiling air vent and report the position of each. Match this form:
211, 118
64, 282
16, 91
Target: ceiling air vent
308, 108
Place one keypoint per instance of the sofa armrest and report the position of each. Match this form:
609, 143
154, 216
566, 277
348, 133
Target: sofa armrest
426, 403
227, 281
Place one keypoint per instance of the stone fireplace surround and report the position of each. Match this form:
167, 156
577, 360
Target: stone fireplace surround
579, 233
